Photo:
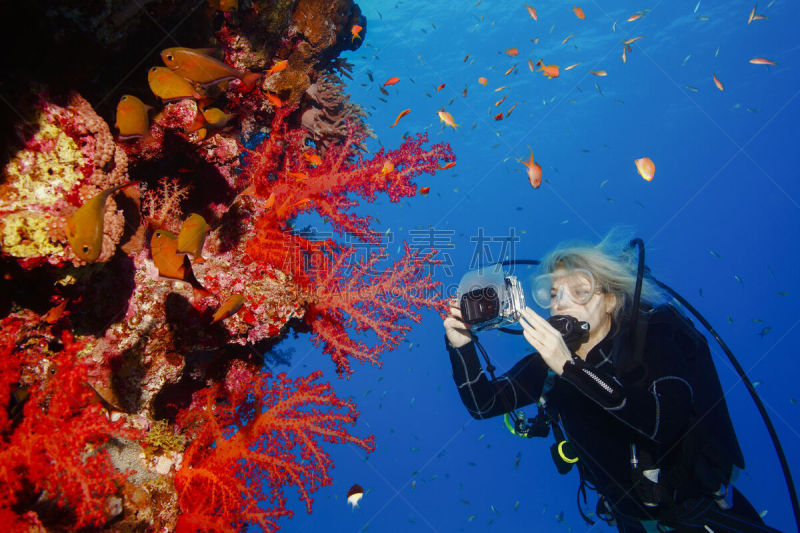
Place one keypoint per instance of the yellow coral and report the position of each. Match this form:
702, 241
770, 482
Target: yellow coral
26, 235
41, 177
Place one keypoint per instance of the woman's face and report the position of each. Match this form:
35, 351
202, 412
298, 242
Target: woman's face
571, 288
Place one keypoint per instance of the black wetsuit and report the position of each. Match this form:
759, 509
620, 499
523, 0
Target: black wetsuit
604, 412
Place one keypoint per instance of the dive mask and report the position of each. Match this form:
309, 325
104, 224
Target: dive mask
550, 289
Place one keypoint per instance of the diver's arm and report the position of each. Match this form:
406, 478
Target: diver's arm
520, 386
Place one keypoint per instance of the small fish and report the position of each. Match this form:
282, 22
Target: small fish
782, 293
497, 103
312, 158
216, 118
391, 81
447, 118
759, 17
85, 226
226, 6
534, 170
572, 66
737, 278
703, 18
602, 183
509, 71
551, 71
637, 16
685, 59
464, 92
693, 89
471, 517
512, 51
624, 54
192, 236
171, 264
195, 64
717, 82
440, 87
517, 459
599, 90
229, 307
354, 495
451, 164
633, 40
355, 31
274, 99
715, 254
424, 191
388, 167
531, 12
386, 93
403, 113
598, 72
281, 65
466, 57
567, 38
504, 87
646, 168
508, 113
752, 14
498, 116
697, 6
516, 505
167, 85
761, 61
482, 80
579, 12
132, 121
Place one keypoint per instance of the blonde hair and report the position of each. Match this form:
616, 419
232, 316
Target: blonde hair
614, 265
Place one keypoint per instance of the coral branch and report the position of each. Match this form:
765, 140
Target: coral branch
251, 442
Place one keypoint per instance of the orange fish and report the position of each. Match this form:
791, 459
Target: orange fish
624, 55
646, 168
278, 66
567, 38
299, 176
760, 17
273, 99
55, 313
571, 66
216, 118
482, 80
761, 61
512, 51
387, 167
403, 113
637, 16
498, 116
508, 113
312, 158
509, 71
447, 118
168, 85
501, 88
530, 65
598, 72
226, 6
228, 308
634, 39
195, 64
579, 12
752, 14
192, 236
355, 32
718, 83
440, 87
531, 12
85, 226
464, 92
424, 191
534, 170
391, 81
451, 164
551, 71
132, 121
497, 103
171, 264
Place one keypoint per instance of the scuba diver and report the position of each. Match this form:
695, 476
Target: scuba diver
635, 405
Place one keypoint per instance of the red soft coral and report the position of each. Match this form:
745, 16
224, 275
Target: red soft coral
252, 441
52, 446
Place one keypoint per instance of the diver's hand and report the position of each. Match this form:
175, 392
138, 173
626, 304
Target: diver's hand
457, 331
546, 339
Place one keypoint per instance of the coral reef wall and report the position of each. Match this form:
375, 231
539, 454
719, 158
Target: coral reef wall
158, 154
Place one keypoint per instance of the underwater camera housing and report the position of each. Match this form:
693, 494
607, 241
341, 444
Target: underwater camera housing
489, 298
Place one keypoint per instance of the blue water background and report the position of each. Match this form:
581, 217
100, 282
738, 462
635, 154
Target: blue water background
720, 221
